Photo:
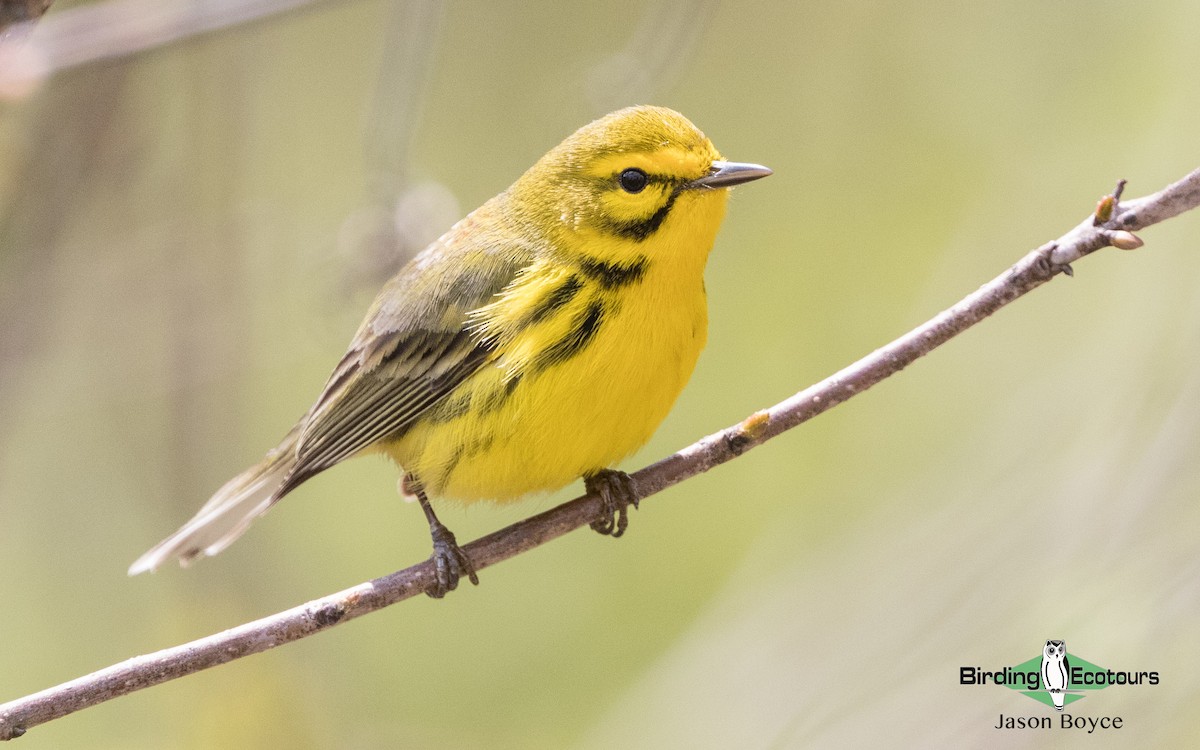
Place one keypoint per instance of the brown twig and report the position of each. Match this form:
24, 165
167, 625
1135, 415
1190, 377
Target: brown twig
116, 28
21, 11
1035, 269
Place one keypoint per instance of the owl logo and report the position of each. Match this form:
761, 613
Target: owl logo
1056, 671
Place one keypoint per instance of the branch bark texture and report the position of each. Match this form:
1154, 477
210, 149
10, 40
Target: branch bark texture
1111, 224
89, 33
20, 11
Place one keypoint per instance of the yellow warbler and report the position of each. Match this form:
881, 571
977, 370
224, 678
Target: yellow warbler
542, 339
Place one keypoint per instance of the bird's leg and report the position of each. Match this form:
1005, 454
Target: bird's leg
448, 558
617, 493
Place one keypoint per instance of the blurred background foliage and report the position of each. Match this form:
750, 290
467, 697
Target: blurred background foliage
190, 233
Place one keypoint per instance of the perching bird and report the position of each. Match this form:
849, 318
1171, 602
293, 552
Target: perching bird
542, 339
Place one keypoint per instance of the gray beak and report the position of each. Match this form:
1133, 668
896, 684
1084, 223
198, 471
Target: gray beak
728, 174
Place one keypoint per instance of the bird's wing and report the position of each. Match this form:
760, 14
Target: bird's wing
413, 349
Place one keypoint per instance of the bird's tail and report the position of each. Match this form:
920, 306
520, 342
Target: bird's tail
228, 513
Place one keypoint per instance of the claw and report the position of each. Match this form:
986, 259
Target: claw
617, 493
450, 561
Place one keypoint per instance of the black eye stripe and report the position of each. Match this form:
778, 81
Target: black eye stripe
651, 178
666, 187
613, 181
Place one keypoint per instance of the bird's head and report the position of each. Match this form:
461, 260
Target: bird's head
642, 182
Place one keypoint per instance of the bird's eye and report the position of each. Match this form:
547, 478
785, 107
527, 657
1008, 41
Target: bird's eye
633, 180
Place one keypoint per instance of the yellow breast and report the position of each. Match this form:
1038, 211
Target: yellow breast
589, 358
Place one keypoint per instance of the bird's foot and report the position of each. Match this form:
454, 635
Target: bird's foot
617, 493
450, 561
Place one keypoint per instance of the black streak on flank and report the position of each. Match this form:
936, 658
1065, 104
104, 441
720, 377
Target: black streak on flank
583, 330
464, 451
614, 275
497, 398
450, 409
561, 295
460, 405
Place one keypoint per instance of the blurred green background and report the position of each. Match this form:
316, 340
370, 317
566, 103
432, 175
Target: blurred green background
190, 234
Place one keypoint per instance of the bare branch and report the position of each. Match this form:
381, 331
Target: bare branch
116, 28
20, 11
1111, 224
